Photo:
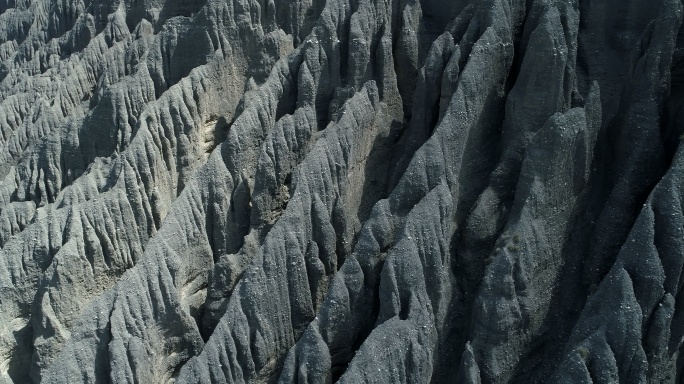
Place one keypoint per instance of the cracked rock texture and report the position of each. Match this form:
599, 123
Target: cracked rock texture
318, 191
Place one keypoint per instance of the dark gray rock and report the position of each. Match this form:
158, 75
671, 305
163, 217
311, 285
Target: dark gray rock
309, 191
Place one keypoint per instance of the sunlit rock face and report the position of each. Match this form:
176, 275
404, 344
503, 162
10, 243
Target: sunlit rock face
317, 191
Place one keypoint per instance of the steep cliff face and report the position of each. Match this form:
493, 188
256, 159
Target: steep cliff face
315, 191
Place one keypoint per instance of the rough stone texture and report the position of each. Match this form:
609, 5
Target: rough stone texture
316, 191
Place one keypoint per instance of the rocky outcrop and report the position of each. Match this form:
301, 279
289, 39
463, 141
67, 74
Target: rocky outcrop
309, 191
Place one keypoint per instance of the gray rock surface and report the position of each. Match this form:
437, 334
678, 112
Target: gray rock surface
310, 191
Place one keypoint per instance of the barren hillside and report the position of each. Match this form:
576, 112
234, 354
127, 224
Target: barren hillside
352, 191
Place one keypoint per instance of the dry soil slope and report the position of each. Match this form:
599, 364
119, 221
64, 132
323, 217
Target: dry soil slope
309, 191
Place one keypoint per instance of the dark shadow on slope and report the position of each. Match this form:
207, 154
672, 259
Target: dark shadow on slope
590, 242
10, 4
20, 361
157, 11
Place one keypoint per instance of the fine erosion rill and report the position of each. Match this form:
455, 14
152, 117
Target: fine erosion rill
342, 191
